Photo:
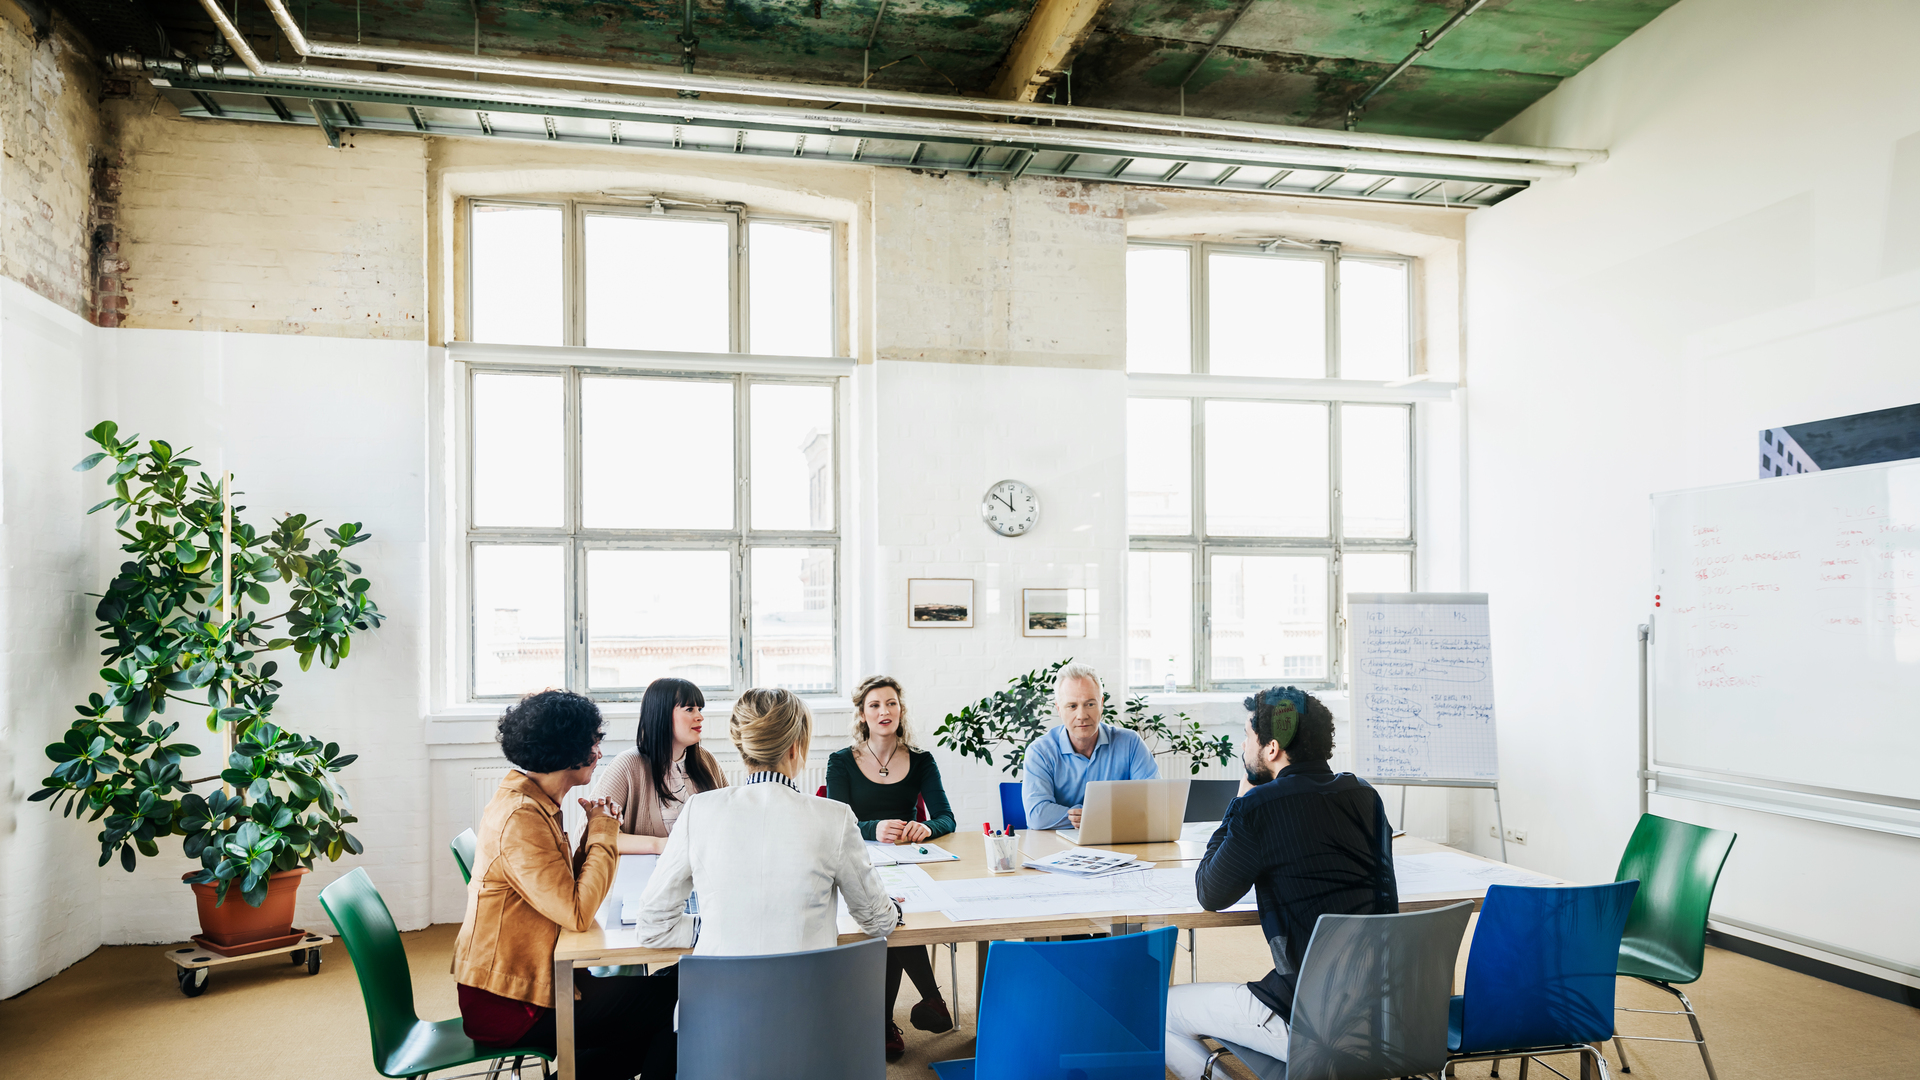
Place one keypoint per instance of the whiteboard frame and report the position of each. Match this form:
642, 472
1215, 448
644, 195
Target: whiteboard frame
1834, 806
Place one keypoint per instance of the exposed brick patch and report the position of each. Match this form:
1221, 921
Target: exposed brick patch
49, 128
109, 294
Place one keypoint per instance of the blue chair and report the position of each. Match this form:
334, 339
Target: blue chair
1012, 811
1371, 999
750, 1017
1073, 1010
1540, 976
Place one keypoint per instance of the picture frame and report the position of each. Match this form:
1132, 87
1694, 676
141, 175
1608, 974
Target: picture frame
940, 603
1053, 612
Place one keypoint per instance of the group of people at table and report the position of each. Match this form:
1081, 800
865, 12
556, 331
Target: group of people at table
768, 859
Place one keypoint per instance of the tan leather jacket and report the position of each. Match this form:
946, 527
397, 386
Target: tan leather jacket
527, 886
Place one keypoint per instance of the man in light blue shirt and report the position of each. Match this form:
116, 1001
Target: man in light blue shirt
1060, 763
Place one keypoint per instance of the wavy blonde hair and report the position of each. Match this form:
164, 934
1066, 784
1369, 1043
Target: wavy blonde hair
860, 709
766, 724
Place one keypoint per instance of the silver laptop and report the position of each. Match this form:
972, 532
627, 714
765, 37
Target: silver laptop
1130, 812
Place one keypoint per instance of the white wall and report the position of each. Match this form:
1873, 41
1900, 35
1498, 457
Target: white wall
329, 427
1745, 259
49, 888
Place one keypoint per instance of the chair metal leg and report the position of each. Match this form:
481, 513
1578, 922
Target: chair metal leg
1207, 1073
1697, 1033
1494, 1069
1193, 954
953, 971
1621, 1049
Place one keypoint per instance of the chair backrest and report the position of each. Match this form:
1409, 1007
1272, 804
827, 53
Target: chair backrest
1013, 812
748, 1017
1678, 866
463, 847
1060, 1009
919, 808
366, 928
1207, 799
1371, 999
1540, 972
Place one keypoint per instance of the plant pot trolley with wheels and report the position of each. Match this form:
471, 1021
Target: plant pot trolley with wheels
193, 965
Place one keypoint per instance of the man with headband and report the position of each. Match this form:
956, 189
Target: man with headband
1308, 842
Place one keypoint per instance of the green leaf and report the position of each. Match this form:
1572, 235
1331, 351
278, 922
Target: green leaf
259, 594
89, 462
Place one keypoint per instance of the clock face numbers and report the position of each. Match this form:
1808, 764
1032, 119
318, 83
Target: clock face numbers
1010, 508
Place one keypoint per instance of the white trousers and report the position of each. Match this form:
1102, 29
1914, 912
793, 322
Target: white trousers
1225, 1011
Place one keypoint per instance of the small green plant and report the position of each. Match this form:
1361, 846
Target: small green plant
168, 640
1021, 713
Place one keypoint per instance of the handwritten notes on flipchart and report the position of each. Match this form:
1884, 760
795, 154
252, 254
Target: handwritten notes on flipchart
1422, 686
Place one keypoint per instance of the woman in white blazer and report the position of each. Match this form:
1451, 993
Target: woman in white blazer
765, 857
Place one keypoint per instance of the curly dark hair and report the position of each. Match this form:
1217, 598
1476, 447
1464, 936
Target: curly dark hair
1312, 740
550, 731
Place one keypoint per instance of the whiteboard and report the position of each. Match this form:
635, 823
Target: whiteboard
1786, 643
1422, 687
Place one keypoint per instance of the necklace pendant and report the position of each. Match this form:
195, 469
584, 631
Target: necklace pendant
883, 770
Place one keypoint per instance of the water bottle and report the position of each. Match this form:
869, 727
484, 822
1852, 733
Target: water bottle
1169, 686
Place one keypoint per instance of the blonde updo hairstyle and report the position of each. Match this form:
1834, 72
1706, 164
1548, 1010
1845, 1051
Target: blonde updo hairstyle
860, 708
766, 724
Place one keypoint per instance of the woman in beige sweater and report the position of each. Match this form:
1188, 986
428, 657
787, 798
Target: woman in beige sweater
653, 781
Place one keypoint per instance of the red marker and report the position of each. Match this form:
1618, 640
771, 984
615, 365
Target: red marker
987, 827
1009, 830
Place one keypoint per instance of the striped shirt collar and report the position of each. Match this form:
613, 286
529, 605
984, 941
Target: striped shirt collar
767, 775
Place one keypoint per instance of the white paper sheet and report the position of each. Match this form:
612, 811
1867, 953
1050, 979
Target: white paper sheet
629, 881
888, 854
1199, 832
1162, 890
1442, 871
920, 892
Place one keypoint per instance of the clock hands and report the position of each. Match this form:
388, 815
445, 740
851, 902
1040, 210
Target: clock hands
1004, 499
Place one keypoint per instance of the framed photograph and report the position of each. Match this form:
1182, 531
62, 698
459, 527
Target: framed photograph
1053, 612
940, 603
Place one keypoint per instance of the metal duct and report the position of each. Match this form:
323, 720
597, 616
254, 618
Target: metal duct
232, 33
758, 88
894, 125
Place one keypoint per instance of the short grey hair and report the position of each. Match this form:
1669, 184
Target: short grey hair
1079, 671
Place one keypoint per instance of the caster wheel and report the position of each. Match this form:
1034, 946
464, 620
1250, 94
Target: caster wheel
193, 982
297, 956
313, 961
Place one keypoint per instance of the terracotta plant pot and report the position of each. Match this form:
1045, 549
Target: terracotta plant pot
234, 925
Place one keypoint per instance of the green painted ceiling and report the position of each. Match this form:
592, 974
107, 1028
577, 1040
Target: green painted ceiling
1285, 61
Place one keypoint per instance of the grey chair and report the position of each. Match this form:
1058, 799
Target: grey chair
796, 1016
1207, 799
1371, 1000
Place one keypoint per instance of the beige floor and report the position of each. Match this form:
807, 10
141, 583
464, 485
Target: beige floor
117, 1016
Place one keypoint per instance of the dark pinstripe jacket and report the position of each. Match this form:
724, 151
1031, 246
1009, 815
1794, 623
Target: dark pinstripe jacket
1309, 842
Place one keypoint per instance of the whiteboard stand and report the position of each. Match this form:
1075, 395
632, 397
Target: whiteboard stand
1405, 782
1422, 694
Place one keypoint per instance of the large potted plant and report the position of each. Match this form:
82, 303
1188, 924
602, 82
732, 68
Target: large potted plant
1021, 713
178, 632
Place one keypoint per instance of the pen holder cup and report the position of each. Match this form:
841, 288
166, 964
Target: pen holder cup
1003, 854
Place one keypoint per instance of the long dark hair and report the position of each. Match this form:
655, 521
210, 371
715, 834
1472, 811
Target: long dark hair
654, 740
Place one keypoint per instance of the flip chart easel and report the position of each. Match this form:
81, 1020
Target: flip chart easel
1423, 693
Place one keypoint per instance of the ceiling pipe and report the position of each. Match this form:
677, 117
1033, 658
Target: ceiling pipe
1427, 42
891, 125
761, 88
232, 33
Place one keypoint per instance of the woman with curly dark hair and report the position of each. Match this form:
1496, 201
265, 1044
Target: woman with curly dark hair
529, 884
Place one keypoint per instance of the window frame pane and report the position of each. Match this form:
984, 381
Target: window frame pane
736, 266
577, 540
567, 289
744, 278
1203, 299
1333, 545
1406, 261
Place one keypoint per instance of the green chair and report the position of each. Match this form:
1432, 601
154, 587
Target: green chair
1665, 944
463, 848
403, 1044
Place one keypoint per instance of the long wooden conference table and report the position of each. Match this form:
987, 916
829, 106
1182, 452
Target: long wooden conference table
612, 945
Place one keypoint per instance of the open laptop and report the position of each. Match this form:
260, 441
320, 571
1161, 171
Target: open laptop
1130, 812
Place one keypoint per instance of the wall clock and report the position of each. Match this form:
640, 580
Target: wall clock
1010, 508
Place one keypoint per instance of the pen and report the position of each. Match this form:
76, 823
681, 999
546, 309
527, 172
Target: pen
986, 827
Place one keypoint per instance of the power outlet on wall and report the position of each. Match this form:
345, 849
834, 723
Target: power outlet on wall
1514, 836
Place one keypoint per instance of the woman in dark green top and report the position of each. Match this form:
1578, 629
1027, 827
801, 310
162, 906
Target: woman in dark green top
883, 777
